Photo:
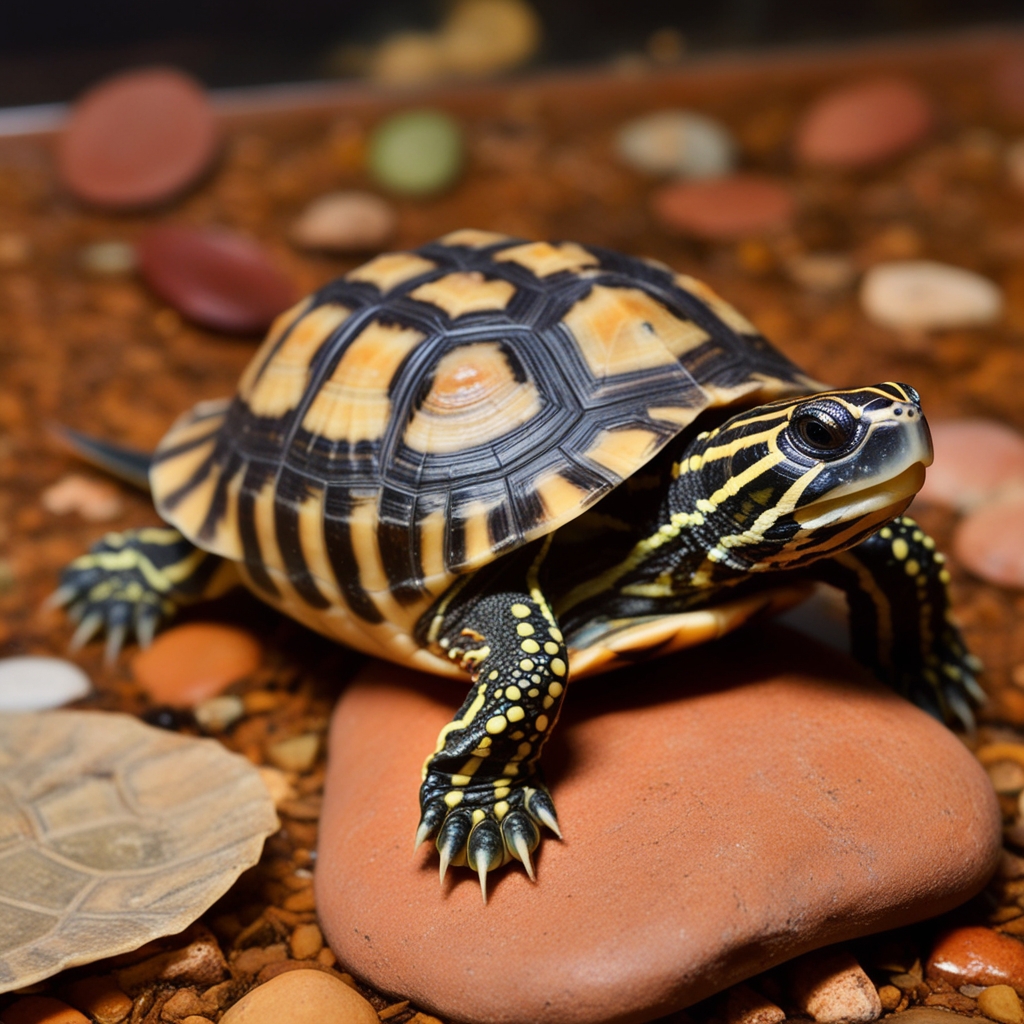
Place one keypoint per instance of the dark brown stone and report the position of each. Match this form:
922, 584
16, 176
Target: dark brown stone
722, 812
138, 139
215, 277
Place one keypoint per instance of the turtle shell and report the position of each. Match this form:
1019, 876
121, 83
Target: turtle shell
441, 407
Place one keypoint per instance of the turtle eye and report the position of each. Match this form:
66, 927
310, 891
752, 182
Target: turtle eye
822, 432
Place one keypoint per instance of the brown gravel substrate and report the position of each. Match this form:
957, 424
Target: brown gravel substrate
101, 354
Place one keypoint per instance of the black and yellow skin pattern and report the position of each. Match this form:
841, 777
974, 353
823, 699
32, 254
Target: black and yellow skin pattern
496, 458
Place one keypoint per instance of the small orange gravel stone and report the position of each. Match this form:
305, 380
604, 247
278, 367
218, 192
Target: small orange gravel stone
42, 1010
1001, 1003
100, 998
863, 124
724, 208
191, 663
306, 941
298, 997
990, 542
978, 956
974, 460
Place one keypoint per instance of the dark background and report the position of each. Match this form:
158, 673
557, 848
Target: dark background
51, 49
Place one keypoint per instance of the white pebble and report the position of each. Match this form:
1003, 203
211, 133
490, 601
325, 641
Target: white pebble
218, 714
35, 683
94, 500
345, 222
677, 142
922, 295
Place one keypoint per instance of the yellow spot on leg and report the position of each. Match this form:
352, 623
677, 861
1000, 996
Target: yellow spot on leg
454, 798
526, 665
516, 714
541, 723
524, 629
551, 647
520, 611
900, 548
530, 646
555, 689
557, 666
513, 693
496, 724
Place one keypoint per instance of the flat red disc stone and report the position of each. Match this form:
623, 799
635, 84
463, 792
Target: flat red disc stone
214, 277
138, 139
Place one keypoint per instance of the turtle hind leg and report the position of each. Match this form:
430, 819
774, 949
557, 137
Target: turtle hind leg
133, 582
483, 796
901, 624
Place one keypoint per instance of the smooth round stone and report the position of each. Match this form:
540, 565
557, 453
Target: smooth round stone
677, 142
1001, 1003
754, 767
864, 124
215, 277
108, 258
138, 139
723, 209
923, 295
978, 956
975, 460
345, 222
189, 664
990, 542
298, 997
416, 153
32, 683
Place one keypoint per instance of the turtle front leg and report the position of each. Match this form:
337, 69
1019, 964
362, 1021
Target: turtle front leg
901, 624
134, 581
483, 794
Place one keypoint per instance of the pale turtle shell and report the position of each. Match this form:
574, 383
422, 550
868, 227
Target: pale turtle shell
113, 833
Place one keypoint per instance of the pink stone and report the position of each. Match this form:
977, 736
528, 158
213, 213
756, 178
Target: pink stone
990, 542
215, 277
721, 812
975, 459
724, 208
864, 123
978, 956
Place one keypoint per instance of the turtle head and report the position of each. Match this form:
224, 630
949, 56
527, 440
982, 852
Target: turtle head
793, 481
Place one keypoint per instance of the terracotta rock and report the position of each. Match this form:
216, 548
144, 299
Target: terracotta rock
138, 139
215, 277
189, 664
990, 542
724, 208
975, 459
753, 767
41, 1010
863, 124
298, 997
978, 956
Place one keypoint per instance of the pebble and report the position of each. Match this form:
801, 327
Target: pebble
831, 986
976, 460
863, 124
218, 714
35, 683
923, 295
278, 784
41, 1010
215, 277
989, 542
295, 754
825, 273
485, 37
100, 998
978, 956
298, 997
614, 924
108, 258
745, 1006
189, 664
138, 139
724, 209
306, 941
678, 142
345, 222
199, 962
94, 500
1001, 1003
416, 153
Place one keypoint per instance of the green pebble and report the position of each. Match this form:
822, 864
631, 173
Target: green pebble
416, 153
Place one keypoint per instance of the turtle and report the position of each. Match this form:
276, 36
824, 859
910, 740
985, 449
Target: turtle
514, 462
114, 833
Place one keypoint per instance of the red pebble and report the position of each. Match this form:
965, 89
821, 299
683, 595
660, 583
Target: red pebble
216, 278
978, 956
975, 459
990, 542
863, 124
724, 208
138, 139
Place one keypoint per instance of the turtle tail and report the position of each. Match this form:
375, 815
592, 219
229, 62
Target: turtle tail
126, 464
